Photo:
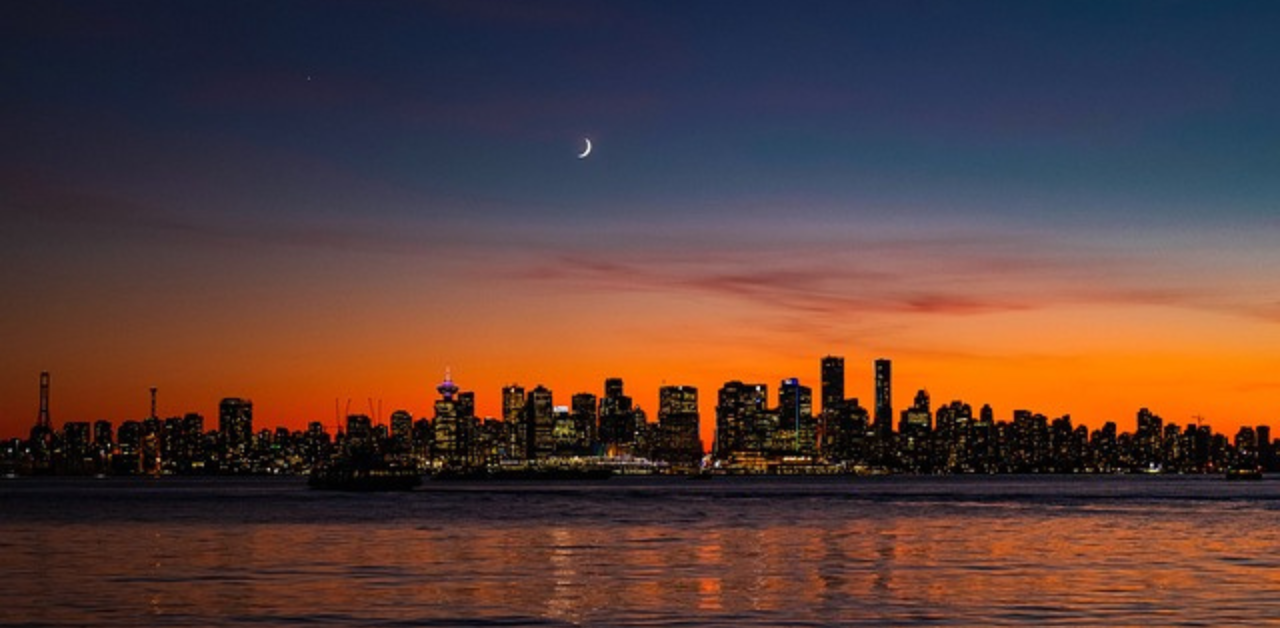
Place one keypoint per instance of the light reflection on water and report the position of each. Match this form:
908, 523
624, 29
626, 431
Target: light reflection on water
1194, 551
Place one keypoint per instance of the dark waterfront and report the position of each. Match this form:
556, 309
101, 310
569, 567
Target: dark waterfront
642, 551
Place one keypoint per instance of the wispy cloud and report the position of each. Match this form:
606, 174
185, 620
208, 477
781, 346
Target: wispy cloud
28, 199
878, 279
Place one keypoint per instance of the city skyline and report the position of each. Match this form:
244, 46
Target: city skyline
609, 433
790, 396
1068, 207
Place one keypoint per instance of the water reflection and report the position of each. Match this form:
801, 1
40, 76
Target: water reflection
741, 562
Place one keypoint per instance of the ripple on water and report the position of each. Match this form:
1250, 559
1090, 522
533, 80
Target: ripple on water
903, 551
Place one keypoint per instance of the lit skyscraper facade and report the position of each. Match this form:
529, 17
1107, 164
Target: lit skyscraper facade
402, 429
513, 414
679, 423
454, 423
832, 383
540, 411
585, 410
359, 428
235, 423
795, 413
617, 419
740, 417
884, 398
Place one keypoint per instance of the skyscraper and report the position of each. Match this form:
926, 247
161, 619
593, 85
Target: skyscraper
513, 400
235, 423
679, 422
402, 429
359, 428
884, 397
585, 410
740, 409
918, 418
832, 383
540, 413
795, 412
617, 419
453, 422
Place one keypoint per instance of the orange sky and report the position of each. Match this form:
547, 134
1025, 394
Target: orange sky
1095, 362
1062, 215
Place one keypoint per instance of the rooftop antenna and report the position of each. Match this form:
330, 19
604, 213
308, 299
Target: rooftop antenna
153, 402
42, 419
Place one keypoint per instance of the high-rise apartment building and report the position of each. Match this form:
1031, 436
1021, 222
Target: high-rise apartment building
832, 383
884, 397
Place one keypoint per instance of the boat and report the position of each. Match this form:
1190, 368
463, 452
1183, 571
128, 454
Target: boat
1244, 473
524, 473
551, 473
364, 475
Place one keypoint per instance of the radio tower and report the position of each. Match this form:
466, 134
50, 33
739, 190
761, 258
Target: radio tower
43, 421
42, 432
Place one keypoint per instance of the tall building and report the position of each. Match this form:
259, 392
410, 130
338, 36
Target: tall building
613, 387
884, 397
795, 402
571, 427
679, 423
102, 435
795, 413
513, 400
617, 419
454, 423
1148, 438
1266, 448
467, 404
402, 428
585, 413
42, 432
918, 418
740, 411
540, 411
832, 383
235, 423
75, 437
359, 428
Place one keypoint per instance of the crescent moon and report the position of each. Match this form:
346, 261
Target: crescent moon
587, 150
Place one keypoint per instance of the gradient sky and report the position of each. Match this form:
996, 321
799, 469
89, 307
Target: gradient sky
1070, 207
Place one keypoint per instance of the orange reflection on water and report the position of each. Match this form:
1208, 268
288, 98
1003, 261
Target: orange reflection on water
973, 564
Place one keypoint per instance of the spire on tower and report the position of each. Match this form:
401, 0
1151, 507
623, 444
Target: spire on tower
43, 420
447, 388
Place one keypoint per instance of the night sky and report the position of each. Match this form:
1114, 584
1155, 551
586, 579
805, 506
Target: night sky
1069, 207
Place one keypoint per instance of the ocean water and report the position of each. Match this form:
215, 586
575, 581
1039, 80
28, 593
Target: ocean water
642, 552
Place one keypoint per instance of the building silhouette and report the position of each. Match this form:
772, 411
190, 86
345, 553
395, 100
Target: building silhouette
585, 416
884, 398
832, 384
235, 423
795, 417
741, 416
540, 413
750, 436
618, 422
678, 424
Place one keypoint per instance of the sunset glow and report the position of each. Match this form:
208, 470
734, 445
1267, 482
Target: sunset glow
1018, 208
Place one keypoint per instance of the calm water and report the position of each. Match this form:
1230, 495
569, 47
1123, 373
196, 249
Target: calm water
649, 552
